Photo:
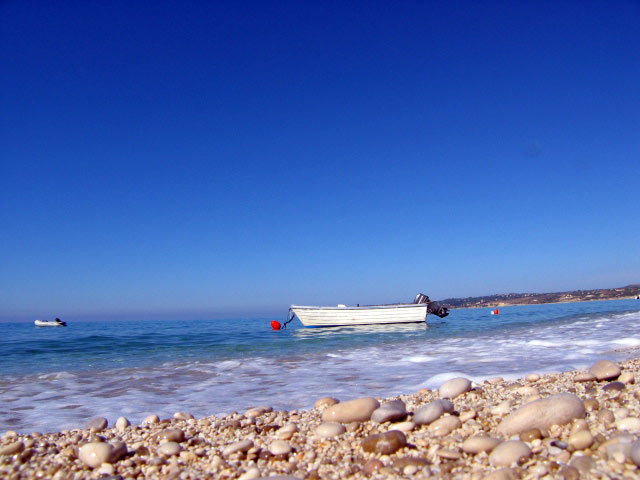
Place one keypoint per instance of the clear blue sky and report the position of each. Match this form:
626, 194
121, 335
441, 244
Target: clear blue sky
214, 158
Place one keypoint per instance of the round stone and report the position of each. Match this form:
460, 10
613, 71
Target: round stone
330, 429
555, 410
454, 387
183, 416
634, 454
479, 443
372, 465
613, 387
358, 410
251, 474
532, 377
629, 424
432, 411
278, 447
403, 426
605, 370
626, 378
584, 377
325, 402
98, 423
12, 448
509, 452
151, 420
445, 425
240, 446
171, 435
169, 449
95, 454
581, 439
122, 423
389, 412
385, 443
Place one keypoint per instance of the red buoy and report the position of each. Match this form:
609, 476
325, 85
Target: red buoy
495, 312
275, 324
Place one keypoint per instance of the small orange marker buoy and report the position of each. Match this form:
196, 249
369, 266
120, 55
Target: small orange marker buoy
275, 324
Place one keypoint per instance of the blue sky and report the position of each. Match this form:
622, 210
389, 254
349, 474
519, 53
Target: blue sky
202, 159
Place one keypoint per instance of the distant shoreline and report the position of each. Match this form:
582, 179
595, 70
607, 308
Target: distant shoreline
509, 299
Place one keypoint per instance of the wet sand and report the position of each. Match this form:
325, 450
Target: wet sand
570, 425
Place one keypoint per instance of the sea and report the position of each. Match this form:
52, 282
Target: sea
59, 378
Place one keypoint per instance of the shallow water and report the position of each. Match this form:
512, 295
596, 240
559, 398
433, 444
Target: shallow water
56, 378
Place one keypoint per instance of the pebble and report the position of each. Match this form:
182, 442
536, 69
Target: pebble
12, 448
555, 410
118, 450
581, 439
279, 447
619, 451
448, 453
468, 415
605, 370
432, 411
509, 452
530, 435
455, 387
629, 424
390, 411
95, 454
151, 420
183, 416
403, 426
171, 435
503, 408
98, 423
613, 387
480, 443
122, 423
385, 443
584, 377
445, 425
372, 465
251, 474
240, 446
494, 380
532, 377
526, 390
584, 464
330, 429
634, 453
626, 378
325, 402
169, 449
358, 410
578, 425
257, 411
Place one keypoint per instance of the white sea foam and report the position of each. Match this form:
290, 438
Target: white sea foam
627, 342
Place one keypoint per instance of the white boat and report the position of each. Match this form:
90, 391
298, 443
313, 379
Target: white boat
343, 315
50, 323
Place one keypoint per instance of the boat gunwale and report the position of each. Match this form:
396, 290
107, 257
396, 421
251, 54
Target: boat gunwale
363, 307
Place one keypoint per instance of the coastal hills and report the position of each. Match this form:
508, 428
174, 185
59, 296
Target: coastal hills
504, 299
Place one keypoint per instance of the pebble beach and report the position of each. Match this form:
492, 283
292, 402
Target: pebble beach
570, 425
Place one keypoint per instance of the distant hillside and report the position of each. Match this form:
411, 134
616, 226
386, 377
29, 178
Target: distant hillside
503, 299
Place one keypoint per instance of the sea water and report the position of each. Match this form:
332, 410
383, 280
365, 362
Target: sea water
58, 378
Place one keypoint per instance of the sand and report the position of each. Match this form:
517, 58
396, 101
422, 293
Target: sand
598, 439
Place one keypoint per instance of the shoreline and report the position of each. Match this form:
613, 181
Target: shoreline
309, 444
500, 305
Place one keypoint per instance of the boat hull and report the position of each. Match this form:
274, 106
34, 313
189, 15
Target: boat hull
46, 323
373, 315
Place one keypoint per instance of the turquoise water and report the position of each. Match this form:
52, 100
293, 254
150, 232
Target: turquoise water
135, 368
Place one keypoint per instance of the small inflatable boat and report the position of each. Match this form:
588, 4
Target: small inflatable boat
50, 323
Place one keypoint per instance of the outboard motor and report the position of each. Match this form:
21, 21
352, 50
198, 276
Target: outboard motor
421, 298
437, 309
